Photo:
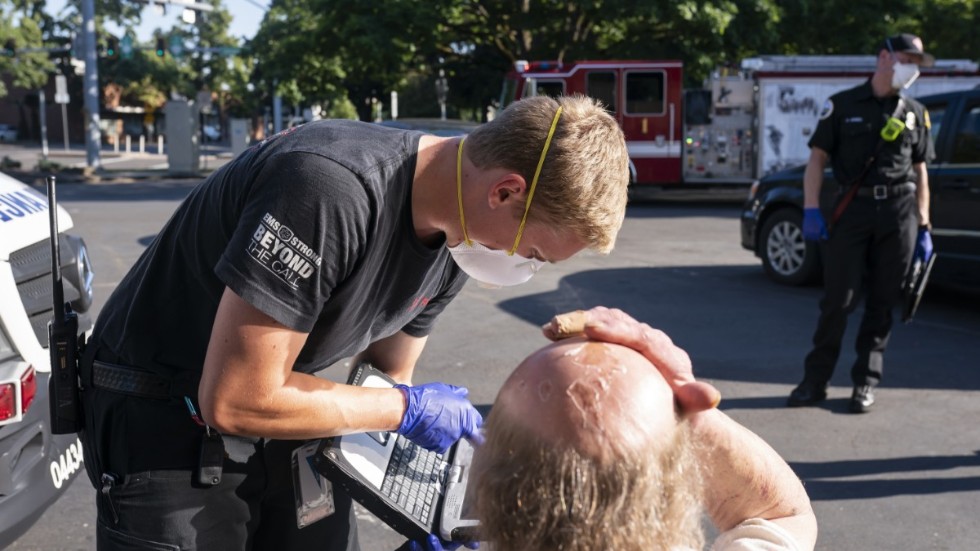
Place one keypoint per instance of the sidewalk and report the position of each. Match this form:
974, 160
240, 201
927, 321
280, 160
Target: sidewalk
71, 165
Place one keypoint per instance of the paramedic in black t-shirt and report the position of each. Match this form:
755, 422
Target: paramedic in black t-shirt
879, 140
332, 240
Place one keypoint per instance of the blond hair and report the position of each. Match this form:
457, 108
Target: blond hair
535, 495
582, 186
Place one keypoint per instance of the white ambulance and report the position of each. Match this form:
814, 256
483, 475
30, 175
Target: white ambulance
36, 466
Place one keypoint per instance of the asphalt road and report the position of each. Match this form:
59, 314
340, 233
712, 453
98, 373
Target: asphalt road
906, 476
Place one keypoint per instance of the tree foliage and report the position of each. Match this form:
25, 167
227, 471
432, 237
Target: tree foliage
20, 26
343, 55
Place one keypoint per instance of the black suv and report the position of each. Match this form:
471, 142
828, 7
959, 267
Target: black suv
772, 216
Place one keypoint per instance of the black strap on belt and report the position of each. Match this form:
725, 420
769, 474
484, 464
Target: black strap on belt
141, 383
882, 192
856, 184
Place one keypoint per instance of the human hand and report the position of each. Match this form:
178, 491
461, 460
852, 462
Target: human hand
814, 227
432, 543
437, 415
923, 245
615, 326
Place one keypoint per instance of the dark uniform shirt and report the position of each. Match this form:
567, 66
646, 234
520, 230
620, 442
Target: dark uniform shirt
314, 228
849, 131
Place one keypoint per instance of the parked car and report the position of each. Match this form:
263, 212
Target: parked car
8, 133
444, 128
771, 221
36, 466
211, 132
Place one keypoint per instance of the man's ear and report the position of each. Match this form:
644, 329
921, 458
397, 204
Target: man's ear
508, 189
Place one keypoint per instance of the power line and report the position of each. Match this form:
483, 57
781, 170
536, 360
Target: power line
257, 5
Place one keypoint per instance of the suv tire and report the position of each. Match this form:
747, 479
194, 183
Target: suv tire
787, 258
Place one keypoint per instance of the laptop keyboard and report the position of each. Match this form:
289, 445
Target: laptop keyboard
414, 477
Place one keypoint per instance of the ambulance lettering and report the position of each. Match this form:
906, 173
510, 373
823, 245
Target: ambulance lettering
19, 204
276, 248
67, 464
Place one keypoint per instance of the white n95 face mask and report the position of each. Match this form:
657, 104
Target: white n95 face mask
492, 268
903, 75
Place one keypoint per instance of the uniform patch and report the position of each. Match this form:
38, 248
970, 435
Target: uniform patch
925, 115
827, 109
910, 120
276, 247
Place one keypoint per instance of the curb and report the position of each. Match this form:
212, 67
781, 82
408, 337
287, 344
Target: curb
103, 176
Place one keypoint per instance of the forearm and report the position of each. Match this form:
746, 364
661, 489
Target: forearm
813, 178
922, 193
302, 407
745, 478
395, 355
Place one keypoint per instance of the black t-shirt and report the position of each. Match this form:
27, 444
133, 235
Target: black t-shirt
849, 131
313, 227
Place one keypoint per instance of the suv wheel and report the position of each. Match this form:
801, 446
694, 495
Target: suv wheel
788, 258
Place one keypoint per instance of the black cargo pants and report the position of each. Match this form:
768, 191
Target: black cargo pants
867, 255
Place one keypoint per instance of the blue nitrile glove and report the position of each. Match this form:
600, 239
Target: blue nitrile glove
814, 227
438, 415
923, 245
432, 543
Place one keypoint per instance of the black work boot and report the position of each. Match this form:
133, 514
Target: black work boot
807, 393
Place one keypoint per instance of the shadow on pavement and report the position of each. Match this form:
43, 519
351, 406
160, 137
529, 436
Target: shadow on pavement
832, 480
756, 331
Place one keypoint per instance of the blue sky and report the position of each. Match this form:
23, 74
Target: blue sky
246, 16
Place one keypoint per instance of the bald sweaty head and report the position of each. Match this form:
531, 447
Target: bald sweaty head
600, 399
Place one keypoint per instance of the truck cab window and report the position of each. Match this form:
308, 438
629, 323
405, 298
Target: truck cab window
644, 93
508, 92
601, 85
551, 88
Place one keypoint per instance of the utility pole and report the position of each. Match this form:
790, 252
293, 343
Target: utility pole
90, 89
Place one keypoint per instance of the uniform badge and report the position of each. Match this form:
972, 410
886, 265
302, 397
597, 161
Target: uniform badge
910, 120
828, 109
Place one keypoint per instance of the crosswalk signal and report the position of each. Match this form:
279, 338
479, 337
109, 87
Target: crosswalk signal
9, 48
161, 47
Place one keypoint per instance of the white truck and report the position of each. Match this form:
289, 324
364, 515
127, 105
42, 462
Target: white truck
36, 466
741, 125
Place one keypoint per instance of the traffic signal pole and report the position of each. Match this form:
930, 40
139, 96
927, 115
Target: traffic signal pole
90, 89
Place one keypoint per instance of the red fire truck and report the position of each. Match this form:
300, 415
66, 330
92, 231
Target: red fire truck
743, 124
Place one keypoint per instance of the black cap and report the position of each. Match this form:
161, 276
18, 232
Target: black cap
905, 43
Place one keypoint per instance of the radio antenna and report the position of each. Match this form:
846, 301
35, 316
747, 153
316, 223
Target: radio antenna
58, 291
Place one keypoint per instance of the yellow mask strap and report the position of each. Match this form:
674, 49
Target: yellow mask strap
459, 190
534, 182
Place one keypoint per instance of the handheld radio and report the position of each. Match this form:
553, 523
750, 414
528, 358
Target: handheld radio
63, 393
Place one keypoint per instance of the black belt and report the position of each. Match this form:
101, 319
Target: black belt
141, 383
882, 192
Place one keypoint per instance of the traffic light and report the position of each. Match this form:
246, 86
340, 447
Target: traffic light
112, 47
9, 48
161, 47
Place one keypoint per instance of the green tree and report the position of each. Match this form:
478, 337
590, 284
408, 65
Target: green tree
291, 60
27, 68
321, 49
